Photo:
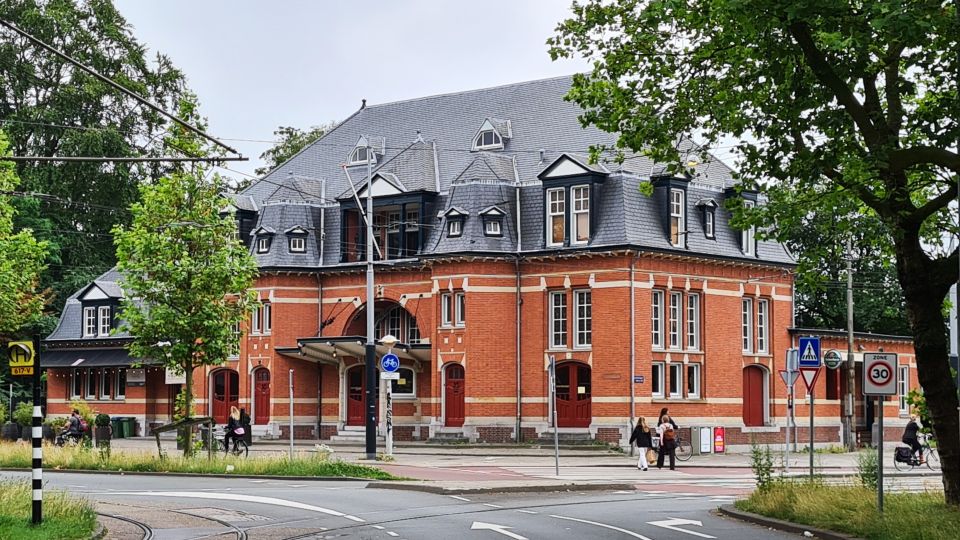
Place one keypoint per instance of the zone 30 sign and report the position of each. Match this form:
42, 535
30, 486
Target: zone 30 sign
879, 374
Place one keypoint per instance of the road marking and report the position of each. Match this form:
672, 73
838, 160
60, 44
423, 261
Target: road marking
378, 527
686, 498
391, 533
502, 529
622, 492
492, 505
243, 498
459, 498
297, 485
527, 511
673, 523
604, 525
259, 481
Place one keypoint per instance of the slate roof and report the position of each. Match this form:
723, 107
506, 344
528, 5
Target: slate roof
426, 147
69, 327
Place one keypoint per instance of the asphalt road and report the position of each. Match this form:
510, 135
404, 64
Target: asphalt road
202, 507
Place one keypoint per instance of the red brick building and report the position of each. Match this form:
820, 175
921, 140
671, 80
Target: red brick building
499, 246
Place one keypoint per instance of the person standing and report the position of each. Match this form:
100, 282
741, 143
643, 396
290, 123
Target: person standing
644, 440
667, 431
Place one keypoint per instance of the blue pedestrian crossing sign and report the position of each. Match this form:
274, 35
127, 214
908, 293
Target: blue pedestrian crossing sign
810, 352
390, 362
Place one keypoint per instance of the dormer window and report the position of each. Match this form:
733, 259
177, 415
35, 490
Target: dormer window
367, 147
488, 140
263, 244
556, 216
97, 321
581, 214
492, 228
748, 240
677, 218
89, 322
708, 223
105, 320
492, 221
361, 155
454, 227
455, 218
298, 244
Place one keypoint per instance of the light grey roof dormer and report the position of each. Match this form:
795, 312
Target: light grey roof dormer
453, 211
492, 210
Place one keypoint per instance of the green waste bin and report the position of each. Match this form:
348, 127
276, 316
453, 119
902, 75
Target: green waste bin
129, 426
117, 426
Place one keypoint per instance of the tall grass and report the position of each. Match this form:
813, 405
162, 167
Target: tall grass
853, 510
79, 458
64, 517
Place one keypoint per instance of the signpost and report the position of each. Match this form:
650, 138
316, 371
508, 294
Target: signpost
390, 363
553, 403
832, 359
24, 362
810, 369
789, 377
880, 379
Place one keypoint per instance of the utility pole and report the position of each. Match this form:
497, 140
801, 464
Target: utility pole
849, 426
370, 368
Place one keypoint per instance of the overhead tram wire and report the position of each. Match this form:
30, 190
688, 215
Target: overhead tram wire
113, 84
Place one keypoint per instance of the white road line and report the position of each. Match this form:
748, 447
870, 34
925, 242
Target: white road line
459, 498
391, 533
492, 505
527, 511
259, 481
604, 525
243, 498
378, 527
296, 485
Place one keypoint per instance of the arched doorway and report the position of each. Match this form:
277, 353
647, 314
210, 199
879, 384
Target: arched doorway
261, 396
226, 393
573, 395
454, 396
356, 396
755, 398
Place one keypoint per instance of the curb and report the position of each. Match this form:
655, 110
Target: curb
193, 475
100, 533
780, 525
425, 488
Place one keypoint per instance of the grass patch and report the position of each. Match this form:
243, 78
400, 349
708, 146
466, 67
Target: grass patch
64, 517
853, 510
79, 458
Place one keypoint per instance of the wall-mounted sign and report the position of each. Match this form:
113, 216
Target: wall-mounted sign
136, 377
171, 377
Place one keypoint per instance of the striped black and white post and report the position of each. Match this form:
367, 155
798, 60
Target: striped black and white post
37, 438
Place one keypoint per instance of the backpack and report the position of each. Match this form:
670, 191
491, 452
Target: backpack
83, 426
903, 454
668, 433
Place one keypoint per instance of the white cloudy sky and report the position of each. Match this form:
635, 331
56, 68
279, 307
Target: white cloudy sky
261, 64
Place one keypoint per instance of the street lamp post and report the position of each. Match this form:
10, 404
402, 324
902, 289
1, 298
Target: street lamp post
370, 368
389, 341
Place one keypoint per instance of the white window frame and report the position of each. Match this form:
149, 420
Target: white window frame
234, 351
675, 319
556, 208
355, 158
412, 220
263, 244
656, 390
255, 322
763, 325
121, 389
88, 380
412, 330
496, 141
677, 368
656, 320
558, 335
583, 319
106, 383
693, 322
89, 322
460, 309
298, 244
413, 386
748, 240
455, 227
78, 374
693, 376
492, 227
267, 326
677, 218
446, 310
903, 390
580, 196
104, 321
746, 324
709, 224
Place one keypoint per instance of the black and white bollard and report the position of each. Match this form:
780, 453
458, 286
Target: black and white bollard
37, 439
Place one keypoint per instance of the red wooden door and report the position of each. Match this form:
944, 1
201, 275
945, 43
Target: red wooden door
454, 394
753, 396
355, 396
226, 393
573, 395
261, 396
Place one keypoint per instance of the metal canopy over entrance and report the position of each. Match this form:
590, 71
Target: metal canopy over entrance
328, 350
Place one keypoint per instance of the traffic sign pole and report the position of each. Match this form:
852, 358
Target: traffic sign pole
880, 379
880, 401
37, 437
390, 363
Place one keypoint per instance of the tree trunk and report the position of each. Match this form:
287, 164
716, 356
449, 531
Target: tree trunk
924, 290
188, 405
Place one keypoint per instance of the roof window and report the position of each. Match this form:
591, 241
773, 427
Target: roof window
491, 134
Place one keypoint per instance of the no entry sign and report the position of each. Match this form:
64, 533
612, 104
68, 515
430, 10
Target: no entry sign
879, 374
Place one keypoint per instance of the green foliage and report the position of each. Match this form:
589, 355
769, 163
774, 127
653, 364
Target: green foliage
56, 423
853, 510
761, 463
291, 140
918, 404
48, 107
867, 469
65, 517
23, 413
85, 409
3, 413
102, 420
21, 302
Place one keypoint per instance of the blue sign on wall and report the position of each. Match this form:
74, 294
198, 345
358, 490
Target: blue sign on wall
810, 352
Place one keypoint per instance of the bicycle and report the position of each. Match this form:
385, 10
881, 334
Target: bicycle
240, 447
932, 457
683, 452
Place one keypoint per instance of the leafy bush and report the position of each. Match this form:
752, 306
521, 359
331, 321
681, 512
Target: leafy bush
23, 414
102, 420
761, 463
86, 411
56, 422
3, 413
867, 468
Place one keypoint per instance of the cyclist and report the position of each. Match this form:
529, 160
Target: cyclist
234, 428
72, 431
910, 436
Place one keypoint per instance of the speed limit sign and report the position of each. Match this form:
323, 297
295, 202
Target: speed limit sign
879, 374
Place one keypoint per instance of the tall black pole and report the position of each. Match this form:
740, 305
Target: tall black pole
371, 348
37, 437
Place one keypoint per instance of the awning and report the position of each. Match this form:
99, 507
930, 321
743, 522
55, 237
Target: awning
329, 349
88, 358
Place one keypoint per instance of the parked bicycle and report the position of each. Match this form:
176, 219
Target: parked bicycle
904, 459
683, 452
239, 448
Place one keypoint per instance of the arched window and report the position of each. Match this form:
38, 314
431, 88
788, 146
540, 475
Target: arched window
487, 139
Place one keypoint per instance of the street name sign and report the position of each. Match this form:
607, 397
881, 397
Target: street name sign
810, 352
879, 374
389, 376
21, 358
832, 359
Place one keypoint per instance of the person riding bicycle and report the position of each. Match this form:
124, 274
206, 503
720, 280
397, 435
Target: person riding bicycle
234, 428
910, 436
72, 430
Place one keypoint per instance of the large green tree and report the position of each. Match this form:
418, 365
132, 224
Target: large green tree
290, 140
829, 98
186, 274
49, 107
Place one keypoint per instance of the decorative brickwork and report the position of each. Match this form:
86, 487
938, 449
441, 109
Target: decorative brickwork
494, 434
609, 435
327, 431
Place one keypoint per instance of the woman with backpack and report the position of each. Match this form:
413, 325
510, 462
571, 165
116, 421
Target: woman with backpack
667, 430
641, 435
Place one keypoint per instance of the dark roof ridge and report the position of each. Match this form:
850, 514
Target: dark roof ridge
472, 91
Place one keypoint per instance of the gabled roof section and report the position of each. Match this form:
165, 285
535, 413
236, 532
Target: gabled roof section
708, 202
454, 211
493, 210
572, 165
263, 229
296, 229
489, 168
297, 189
383, 184
241, 202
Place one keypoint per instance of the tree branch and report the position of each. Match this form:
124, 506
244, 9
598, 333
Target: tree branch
891, 88
901, 160
935, 204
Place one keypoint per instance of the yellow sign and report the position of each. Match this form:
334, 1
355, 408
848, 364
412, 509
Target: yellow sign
21, 357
